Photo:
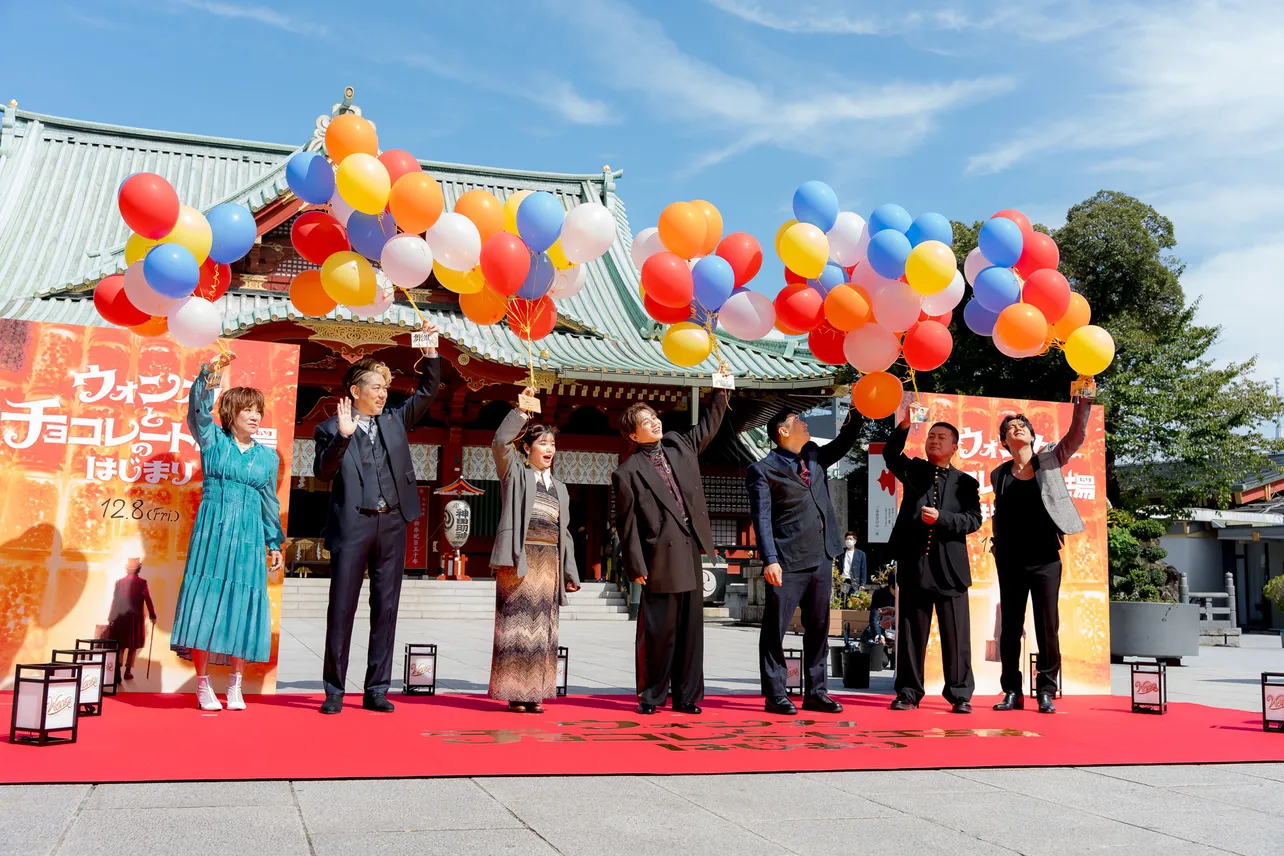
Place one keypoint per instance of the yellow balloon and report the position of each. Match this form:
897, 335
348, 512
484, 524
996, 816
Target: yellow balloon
557, 257
136, 247
687, 344
930, 267
804, 249
511, 204
780, 233
349, 279
1090, 350
460, 281
363, 183
191, 231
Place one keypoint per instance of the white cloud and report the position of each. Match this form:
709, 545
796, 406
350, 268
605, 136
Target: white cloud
1241, 292
259, 14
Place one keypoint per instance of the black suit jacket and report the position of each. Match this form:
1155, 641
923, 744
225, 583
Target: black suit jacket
795, 524
960, 513
339, 462
654, 536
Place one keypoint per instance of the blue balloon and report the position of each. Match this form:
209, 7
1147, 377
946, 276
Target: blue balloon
832, 276
171, 270
1000, 241
930, 227
234, 232
539, 279
889, 216
979, 320
714, 281
369, 232
311, 177
996, 288
816, 203
888, 251
539, 220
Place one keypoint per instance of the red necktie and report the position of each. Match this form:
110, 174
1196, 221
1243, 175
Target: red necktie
804, 472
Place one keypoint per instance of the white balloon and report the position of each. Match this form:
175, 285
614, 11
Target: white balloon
747, 315
567, 283
691, 262
945, 301
340, 209
194, 322
455, 242
587, 232
645, 244
871, 347
896, 307
384, 292
974, 264
143, 295
845, 238
406, 260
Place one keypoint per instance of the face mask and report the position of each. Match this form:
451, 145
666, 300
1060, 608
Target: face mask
851, 542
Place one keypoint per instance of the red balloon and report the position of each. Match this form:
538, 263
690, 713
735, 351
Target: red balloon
927, 346
800, 307
216, 279
1049, 292
666, 279
149, 205
316, 236
505, 261
1039, 252
826, 344
399, 163
792, 278
532, 319
1017, 217
742, 251
943, 319
114, 306
665, 314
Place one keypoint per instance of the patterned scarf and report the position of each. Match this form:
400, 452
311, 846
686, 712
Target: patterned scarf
655, 454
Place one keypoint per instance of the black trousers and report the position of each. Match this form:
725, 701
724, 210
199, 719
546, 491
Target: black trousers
378, 546
670, 647
1017, 583
914, 619
811, 590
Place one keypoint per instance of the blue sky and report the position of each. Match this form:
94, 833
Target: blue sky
960, 107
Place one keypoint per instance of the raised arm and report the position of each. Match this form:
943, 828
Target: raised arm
760, 513
894, 452
836, 449
502, 446
1070, 443
702, 433
415, 407
967, 519
200, 410
626, 523
270, 506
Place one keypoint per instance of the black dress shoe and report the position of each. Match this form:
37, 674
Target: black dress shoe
333, 703
1011, 701
377, 702
688, 708
962, 707
781, 705
1045, 703
903, 702
646, 709
822, 703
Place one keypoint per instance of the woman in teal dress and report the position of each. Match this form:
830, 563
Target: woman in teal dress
223, 603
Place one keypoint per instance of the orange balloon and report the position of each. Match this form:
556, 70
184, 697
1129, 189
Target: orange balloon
308, 296
1077, 315
486, 212
348, 134
877, 395
158, 326
682, 229
484, 307
788, 331
416, 202
712, 226
847, 307
1021, 327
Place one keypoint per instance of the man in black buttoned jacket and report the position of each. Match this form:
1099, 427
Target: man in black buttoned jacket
364, 452
799, 539
940, 507
663, 523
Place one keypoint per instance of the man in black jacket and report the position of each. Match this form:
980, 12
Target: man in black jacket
663, 523
799, 538
940, 507
364, 452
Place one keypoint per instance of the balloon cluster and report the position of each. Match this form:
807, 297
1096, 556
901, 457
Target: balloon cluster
178, 263
1021, 301
694, 279
504, 259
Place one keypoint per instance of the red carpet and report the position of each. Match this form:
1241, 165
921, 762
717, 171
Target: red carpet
143, 737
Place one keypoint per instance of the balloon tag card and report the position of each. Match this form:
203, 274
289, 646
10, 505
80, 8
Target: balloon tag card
1084, 387
917, 413
420, 339
529, 403
724, 380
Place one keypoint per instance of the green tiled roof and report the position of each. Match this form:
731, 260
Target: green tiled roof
60, 234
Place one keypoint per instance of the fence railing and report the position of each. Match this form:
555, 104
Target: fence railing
1216, 608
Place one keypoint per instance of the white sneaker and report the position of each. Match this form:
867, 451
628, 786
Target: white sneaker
235, 701
205, 694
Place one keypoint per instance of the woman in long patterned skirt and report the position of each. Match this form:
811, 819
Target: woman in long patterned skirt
534, 562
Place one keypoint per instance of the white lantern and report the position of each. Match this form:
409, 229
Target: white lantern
421, 669
111, 668
46, 703
93, 667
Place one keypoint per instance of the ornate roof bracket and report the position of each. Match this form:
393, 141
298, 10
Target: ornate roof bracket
352, 341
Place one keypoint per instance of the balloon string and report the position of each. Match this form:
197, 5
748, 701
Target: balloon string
420, 316
913, 379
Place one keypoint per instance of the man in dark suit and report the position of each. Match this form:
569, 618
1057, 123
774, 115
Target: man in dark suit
364, 452
799, 539
940, 507
663, 523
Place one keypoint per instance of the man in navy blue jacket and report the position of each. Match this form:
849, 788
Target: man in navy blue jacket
799, 539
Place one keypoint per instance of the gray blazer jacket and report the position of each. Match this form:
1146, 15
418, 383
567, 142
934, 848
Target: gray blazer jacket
1047, 470
517, 501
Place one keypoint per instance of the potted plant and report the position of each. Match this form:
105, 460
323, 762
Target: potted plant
1274, 591
1146, 619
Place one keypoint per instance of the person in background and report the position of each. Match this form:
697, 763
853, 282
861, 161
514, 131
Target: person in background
882, 614
1033, 512
853, 562
223, 601
534, 562
125, 621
